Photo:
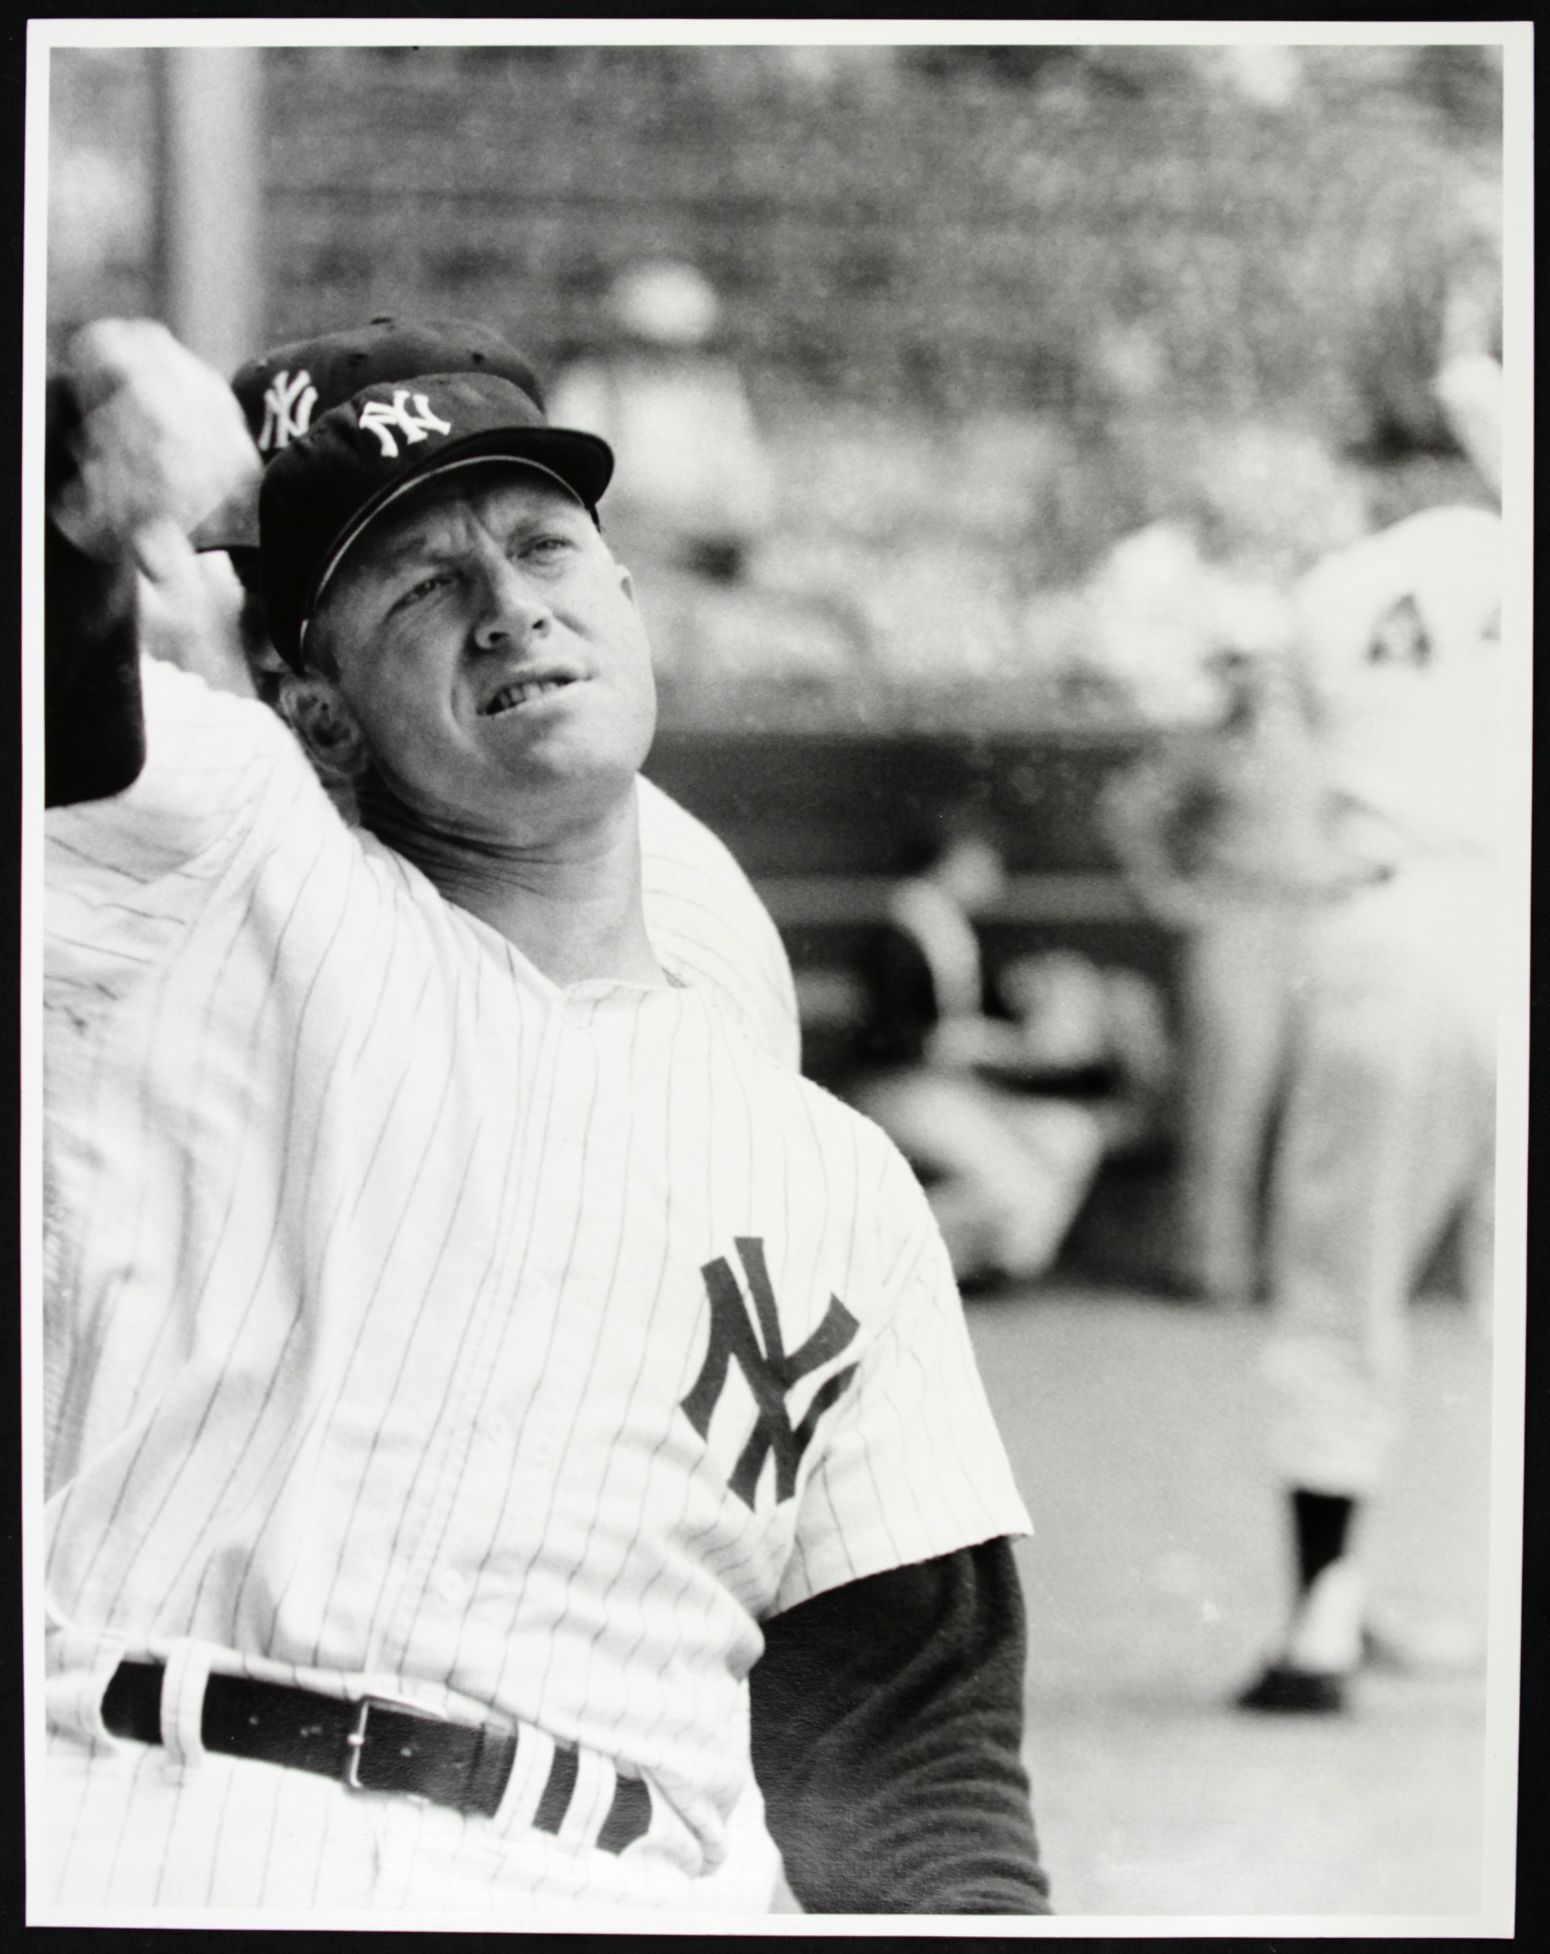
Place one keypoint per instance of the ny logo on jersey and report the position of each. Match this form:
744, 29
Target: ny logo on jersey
771, 1374
413, 423
288, 403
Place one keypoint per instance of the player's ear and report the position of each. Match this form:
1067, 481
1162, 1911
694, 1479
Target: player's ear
318, 714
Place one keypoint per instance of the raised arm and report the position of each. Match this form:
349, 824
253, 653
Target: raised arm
144, 441
94, 733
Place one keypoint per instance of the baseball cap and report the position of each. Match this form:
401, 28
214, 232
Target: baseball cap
325, 487
283, 391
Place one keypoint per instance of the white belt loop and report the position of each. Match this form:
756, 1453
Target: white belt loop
182, 1703
524, 1788
591, 1796
81, 1665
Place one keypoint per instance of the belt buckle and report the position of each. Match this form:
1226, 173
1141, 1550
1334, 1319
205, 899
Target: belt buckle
355, 1740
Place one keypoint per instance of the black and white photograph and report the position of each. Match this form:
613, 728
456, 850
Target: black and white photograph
775, 940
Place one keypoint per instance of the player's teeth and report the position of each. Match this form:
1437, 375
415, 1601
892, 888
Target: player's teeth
516, 695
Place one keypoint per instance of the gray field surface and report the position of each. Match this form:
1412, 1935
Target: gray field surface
1155, 1584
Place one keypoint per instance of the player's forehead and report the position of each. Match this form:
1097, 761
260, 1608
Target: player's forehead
448, 513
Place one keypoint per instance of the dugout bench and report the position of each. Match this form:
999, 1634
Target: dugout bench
823, 825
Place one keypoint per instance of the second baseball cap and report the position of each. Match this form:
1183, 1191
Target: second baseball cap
283, 391
325, 487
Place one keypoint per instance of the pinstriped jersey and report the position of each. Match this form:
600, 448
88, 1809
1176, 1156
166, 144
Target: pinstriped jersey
709, 928
418, 1325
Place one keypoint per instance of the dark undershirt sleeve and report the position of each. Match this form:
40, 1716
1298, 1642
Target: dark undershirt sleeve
887, 1737
93, 724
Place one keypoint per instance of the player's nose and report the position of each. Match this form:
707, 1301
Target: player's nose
512, 608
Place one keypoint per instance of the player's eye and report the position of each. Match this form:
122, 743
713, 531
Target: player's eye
547, 547
420, 589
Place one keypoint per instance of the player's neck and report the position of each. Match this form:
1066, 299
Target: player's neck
570, 903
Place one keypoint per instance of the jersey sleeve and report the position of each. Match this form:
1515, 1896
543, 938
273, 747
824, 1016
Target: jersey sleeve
709, 928
912, 1464
898, 1700
125, 875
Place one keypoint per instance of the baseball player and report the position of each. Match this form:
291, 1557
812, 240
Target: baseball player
494, 1412
705, 921
1221, 833
1389, 1125
941, 1055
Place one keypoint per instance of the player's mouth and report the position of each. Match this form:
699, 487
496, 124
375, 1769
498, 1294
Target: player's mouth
520, 692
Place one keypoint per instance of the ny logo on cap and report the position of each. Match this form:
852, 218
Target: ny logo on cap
288, 404
769, 1371
414, 424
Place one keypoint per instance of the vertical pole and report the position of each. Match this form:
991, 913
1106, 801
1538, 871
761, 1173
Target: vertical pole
208, 230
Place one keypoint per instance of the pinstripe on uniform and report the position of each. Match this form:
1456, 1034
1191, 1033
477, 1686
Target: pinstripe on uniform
381, 1282
709, 928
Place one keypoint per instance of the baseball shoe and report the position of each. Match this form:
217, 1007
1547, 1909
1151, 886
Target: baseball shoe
1320, 1653
1295, 1692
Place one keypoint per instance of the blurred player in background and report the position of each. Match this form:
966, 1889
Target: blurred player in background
1220, 831
945, 1065
1390, 1129
1390, 1119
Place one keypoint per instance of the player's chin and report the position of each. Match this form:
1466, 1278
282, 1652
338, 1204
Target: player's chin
590, 771
607, 737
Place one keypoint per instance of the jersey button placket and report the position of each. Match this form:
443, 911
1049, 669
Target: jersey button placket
546, 1415
443, 1585
451, 1587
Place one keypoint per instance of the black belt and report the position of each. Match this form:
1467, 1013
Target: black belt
369, 1745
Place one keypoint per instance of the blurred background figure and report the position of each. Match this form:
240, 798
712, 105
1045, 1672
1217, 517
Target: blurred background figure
697, 490
946, 1069
1094, 1029
1390, 1121
1220, 830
